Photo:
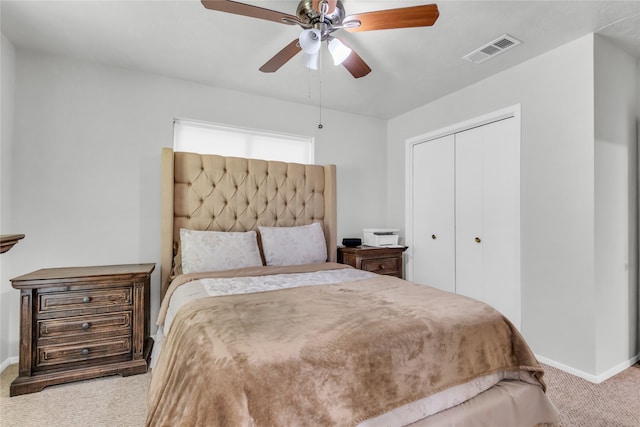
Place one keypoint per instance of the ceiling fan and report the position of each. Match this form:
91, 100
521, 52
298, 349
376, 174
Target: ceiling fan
320, 19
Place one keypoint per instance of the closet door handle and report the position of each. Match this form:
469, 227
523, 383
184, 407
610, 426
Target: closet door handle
477, 239
433, 236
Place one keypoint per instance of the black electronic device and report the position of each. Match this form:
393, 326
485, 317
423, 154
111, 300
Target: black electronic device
351, 242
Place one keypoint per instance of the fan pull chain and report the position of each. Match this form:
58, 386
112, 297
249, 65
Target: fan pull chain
309, 75
320, 125
320, 96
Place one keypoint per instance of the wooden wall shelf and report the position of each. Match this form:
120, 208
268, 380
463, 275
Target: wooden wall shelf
7, 241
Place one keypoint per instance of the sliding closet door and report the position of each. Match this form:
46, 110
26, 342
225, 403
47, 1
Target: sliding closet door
487, 198
433, 242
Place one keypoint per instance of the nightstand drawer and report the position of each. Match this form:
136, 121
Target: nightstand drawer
381, 260
90, 299
390, 266
85, 327
54, 356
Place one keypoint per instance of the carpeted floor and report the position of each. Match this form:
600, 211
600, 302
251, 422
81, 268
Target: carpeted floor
113, 401
612, 403
120, 402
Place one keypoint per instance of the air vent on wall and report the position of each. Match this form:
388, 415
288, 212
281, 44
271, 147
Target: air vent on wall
489, 50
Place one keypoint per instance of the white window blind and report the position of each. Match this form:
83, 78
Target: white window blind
206, 138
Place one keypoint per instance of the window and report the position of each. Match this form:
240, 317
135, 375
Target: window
205, 138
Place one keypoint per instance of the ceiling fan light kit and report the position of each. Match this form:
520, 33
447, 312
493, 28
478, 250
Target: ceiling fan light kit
319, 19
339, 52
310, 41
311, 60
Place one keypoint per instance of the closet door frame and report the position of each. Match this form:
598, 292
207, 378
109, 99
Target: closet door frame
509, 112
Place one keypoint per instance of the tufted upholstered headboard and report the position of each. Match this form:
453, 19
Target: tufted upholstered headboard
209, 192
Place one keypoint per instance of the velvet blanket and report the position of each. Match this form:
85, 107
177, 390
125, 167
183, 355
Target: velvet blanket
330, 355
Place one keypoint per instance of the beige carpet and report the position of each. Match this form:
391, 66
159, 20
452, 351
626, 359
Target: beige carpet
120, 402
102, 402
612, 403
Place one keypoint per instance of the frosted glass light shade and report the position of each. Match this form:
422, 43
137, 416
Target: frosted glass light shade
310, 41
311, 60
339, 52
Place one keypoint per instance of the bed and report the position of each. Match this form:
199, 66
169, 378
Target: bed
260, 326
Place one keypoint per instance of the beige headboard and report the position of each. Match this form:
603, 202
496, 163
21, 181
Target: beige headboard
209, 192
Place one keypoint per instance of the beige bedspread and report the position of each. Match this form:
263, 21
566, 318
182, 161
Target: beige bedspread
325, 355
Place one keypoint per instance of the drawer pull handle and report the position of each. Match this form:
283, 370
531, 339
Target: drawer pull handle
381, 266
86, 299
85, 326
85, 351
433, 236
477, 239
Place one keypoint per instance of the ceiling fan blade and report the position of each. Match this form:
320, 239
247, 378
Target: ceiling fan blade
406, 17
281, 58
332, 5
247, 10
355, 64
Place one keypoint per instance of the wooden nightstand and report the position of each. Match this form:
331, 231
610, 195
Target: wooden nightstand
82, 322
381, 260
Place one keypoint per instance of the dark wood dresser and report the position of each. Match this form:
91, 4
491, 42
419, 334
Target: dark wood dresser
381, 260
82, 322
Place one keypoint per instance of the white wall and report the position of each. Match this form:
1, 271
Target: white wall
556, 94
7, 294
616, 80
86, 161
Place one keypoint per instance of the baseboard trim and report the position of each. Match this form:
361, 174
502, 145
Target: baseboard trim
9, 361
596, 379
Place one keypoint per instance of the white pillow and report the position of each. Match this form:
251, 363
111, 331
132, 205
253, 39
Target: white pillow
294, 245
218, 250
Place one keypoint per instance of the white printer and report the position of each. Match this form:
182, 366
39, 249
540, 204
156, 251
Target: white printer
380, 236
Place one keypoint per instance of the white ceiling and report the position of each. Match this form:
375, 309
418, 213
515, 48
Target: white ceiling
411, 67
